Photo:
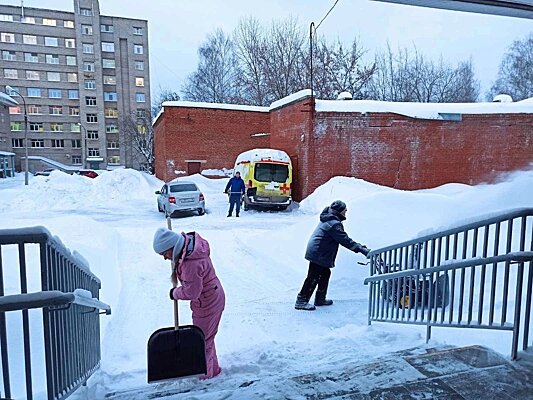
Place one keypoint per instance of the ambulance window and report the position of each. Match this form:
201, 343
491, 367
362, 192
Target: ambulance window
271, 172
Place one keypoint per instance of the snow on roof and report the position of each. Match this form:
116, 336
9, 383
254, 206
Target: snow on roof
194, 104
291, 98
6, 153
424, 110
259, 154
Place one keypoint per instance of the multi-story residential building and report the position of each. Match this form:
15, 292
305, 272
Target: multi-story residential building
82, 77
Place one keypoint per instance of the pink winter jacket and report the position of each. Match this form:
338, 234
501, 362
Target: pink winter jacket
199, 282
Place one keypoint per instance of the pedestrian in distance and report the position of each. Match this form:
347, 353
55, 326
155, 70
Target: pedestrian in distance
189, 254
235, 189
321, 253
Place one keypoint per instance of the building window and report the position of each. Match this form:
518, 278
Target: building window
36, 127
92, 118
139, 81
110, 96
70, 43
16, 126
111, 129
68, 24
108, 47
90, 84
56, 110
53, 76
88, 67
107, 63
9, 37
142, 129
56, 127
140, 113
32, 75
73, 111
29, 39
112, 144
140, 98
28, 20
76, 143
76, 160
73, 94
6, 18
88, 48
12, 91
138, 30
75, 127
54, 93
106, 28
112, 159
71, 60
51, 41
11, 73
9, 56
86, 12
34, 92
87, 29
111, 112
90, 101
31, 57
72, 77
15, 110
110, 80
52, 59
17, 143
139, 65
49, 22
93, 152
138, 49
92, 135
34, 109
37, 143
58, 143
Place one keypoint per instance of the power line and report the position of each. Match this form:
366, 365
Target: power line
325, 16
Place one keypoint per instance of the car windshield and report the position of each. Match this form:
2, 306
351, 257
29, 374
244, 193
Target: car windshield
271, 172
186, 187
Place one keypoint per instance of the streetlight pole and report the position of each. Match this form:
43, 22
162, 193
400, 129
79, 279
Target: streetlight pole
9, 88
84, 141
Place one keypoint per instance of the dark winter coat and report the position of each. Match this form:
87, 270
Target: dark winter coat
324, 242
235, 186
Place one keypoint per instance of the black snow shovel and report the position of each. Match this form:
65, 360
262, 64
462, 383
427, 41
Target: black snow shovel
176, 352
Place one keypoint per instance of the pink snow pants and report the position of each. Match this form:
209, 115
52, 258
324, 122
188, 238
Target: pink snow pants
209, 325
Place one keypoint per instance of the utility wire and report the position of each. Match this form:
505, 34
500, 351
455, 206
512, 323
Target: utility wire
325, 16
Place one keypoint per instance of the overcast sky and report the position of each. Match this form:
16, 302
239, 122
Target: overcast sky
178, 27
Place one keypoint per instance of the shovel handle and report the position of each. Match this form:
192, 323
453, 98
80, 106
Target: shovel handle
176, 316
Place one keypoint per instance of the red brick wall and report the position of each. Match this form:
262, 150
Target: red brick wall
408, 153
214, 135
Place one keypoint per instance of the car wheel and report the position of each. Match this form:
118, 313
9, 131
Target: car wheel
201, 211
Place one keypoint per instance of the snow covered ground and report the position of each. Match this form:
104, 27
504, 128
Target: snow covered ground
110, 221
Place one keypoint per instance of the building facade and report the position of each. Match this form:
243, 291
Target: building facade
80, 77
401, 145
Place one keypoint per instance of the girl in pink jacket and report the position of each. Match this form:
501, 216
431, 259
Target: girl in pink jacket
193, 269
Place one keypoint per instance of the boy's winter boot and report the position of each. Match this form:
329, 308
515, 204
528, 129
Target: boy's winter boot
320, 299
303, 304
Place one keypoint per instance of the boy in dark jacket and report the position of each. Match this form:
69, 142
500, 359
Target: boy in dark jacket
235, 188
321, 253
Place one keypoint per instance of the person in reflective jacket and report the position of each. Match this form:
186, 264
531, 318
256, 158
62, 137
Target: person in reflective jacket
193, 269
321, 253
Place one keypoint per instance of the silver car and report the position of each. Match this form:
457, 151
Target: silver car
180, 196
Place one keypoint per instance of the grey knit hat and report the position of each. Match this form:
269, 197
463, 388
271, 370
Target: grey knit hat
338, 205
165, 239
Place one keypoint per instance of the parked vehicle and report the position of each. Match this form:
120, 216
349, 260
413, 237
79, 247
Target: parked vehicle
45, 172
267, 174
89, 173
179, 196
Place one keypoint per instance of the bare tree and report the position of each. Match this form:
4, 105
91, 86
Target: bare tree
138, 132
214, 80
164, 94
409, 76
515, 76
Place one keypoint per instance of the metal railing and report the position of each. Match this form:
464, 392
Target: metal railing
70, 311
479, 275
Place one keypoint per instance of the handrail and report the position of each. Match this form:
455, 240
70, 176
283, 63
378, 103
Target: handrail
51, 298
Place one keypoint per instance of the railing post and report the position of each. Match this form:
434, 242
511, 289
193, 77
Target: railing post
3, 338
517, 310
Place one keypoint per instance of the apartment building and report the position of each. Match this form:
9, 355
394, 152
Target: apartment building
82, 77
